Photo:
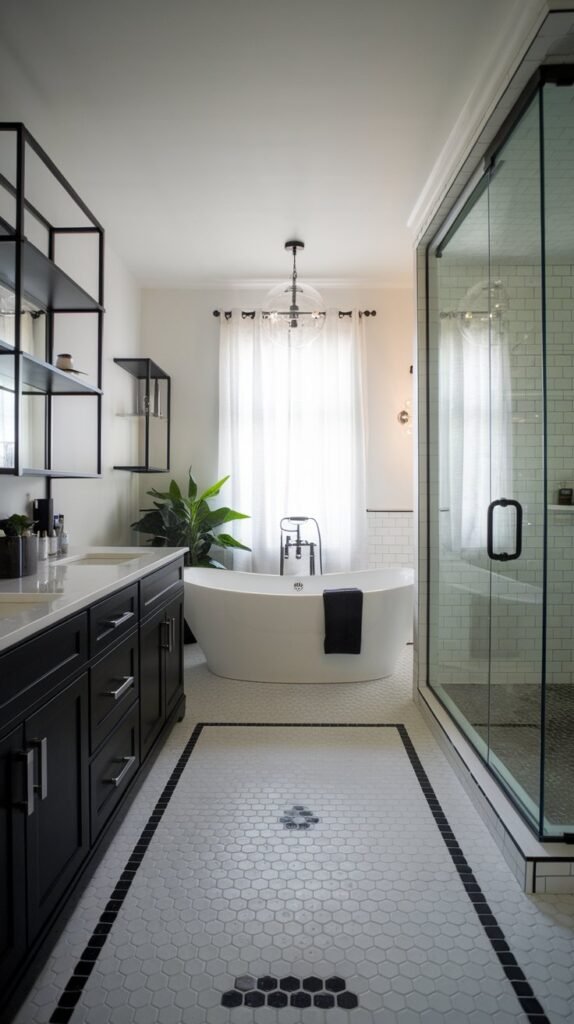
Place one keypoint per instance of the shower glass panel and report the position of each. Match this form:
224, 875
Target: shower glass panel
517, 465
558, 155
486, 434
460, 422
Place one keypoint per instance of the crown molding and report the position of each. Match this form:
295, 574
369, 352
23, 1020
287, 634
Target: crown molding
513, 41
402, 282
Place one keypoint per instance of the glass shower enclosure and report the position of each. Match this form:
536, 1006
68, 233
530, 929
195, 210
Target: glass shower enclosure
501, 458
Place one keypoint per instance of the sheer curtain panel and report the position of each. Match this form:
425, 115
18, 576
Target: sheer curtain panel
292, 436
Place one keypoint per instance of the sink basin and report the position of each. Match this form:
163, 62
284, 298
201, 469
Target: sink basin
105, 558
14, 604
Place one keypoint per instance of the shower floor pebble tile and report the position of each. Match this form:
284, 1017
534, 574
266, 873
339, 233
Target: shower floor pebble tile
368, 893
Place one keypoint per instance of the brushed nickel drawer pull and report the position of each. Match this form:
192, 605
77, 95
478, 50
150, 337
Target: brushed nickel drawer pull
127, 763
118, 620
128, 681
41, 786
27, 756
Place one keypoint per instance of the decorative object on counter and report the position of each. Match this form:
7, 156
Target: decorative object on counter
64, 361
42, 546
18, 547
565, 496
178, 521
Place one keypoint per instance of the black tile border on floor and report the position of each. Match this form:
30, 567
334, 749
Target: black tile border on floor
513, 972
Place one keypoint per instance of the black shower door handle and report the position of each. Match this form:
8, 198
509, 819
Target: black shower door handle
503, 556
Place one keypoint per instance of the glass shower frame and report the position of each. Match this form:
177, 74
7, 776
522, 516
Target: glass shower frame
486, 661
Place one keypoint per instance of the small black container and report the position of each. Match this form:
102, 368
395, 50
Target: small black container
18, 557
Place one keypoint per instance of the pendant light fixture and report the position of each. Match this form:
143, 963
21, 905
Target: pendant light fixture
294, 315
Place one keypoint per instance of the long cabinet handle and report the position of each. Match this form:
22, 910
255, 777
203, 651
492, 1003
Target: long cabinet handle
127, 763
171, 635
41, 786
165, 643
27, 757
128, 681
118, 620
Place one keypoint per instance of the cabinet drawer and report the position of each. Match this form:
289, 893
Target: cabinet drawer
160, 586
113, 769
113, 618
114, 685
34, 668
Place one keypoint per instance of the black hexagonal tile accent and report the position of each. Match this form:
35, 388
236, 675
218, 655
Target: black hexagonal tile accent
347, 1000
312, 984
290, 984
324, 1000
298, 818
245, 983
267, 983
300, 999
231, 998
277, 999
254, 999
335, 984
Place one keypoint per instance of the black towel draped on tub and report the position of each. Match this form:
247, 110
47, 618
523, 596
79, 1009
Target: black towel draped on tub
343, 620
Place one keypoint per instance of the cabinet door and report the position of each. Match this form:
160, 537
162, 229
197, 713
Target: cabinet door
174, 654
58, 829
153, 643
12, 860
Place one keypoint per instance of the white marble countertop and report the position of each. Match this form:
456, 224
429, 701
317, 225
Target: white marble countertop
63, 586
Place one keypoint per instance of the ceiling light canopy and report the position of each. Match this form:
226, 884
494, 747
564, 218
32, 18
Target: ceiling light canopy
293, 311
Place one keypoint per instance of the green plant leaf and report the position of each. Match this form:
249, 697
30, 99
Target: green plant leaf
174, 491
191, 487
211, 492
225, 540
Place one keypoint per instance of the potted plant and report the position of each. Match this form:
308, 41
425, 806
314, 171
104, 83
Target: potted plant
188, 521
18, 547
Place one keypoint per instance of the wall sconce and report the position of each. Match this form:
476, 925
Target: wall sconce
404, 416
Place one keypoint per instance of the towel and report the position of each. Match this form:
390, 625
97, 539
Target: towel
343, 620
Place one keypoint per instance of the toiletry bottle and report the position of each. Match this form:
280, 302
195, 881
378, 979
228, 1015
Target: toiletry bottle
64, 542
42, 546
52, 544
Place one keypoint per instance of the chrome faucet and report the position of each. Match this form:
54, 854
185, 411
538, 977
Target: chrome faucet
298, 543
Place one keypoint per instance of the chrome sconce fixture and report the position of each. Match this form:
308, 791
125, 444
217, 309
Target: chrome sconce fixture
405, 415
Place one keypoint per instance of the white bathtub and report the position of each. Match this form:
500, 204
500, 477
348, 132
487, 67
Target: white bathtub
271, 628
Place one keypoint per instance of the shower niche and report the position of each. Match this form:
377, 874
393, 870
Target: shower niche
501, 448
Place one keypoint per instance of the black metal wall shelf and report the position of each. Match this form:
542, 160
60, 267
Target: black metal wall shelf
31, 273
154, 395
44, 284
40, 378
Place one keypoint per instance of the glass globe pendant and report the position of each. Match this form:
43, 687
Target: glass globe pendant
293, 315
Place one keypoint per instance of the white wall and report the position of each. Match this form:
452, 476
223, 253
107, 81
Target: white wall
97, 511
180, 332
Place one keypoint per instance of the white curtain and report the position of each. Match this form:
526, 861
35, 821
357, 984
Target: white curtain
475, 415
292, 437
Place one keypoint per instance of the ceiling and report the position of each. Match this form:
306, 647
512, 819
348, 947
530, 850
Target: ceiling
204, 133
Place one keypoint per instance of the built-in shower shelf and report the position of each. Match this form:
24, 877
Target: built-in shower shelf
561, 508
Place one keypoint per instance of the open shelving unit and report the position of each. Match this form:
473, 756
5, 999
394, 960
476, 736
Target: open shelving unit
153, 401
32, 281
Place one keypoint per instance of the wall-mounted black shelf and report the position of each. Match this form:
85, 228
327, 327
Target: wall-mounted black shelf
154, 396
37, 377
44, 284
38, 285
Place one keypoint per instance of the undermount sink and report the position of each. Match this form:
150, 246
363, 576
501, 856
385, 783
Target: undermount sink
13, 604
105, 558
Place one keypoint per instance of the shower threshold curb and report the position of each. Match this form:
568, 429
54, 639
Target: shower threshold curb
538, 867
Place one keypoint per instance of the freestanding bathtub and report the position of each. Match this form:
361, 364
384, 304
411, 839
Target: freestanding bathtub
271, 628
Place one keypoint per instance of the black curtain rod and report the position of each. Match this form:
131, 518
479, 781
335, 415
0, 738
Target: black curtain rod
250, 313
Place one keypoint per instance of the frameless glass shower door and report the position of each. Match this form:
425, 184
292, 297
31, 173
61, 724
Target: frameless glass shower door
487, 443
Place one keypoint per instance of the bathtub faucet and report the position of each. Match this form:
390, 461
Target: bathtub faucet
292, 524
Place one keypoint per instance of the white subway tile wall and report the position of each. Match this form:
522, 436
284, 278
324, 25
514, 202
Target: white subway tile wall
391, 539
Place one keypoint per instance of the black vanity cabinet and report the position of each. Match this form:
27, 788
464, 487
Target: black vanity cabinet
12, 861
161, 652
82, 705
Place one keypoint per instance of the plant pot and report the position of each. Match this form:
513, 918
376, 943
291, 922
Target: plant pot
18, 557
